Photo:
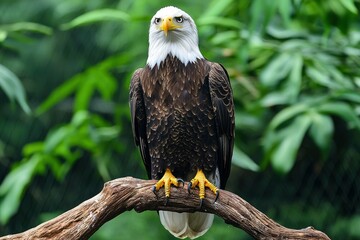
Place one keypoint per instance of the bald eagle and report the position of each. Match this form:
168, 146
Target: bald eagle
182, 116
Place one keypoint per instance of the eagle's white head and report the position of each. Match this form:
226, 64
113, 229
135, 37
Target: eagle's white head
172, 31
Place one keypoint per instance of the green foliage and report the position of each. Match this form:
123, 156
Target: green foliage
85, 84
244, 161
58, 153
349, 225
13, 88
342, 228
287, 129
9, 82
95, 16
11, 30
294, 67
304, 73
12, 188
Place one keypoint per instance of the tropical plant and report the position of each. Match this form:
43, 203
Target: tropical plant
294, 67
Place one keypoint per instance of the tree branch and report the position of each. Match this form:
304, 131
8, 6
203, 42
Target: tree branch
128, 193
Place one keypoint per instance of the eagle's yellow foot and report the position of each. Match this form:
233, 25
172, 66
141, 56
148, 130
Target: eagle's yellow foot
201, 181
166, 181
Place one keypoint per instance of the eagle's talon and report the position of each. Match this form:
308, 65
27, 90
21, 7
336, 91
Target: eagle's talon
153, 189
166, 201
202, 182
217, 196
166, 181
189, 187
201, 203
179, 180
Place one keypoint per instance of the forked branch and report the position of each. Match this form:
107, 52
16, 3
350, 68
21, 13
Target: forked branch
128, 193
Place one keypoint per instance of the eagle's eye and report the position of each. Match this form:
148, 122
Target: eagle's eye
157, 20
179, 19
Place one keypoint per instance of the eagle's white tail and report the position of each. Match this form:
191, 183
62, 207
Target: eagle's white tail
184, 225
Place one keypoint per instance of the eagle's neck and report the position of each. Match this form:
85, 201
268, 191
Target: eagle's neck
184, 49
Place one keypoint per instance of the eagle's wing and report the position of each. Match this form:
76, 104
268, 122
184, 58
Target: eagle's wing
222, 101
138, 118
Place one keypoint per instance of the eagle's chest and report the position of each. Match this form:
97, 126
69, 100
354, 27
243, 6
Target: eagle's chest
177, 103
171, 95
178, 110
175, 91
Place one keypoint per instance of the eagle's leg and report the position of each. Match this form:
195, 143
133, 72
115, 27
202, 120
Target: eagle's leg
166, 181
201, 181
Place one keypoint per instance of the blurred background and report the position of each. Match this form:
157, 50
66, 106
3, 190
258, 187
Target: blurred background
65, 68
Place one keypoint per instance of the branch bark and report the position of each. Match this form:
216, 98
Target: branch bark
128, 193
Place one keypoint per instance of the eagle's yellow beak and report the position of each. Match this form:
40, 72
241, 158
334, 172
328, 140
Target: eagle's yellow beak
168, 25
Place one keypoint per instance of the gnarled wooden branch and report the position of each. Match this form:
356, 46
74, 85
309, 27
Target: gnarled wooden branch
128, 193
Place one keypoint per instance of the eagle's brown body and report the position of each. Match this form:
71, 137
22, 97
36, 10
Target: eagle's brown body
183, 118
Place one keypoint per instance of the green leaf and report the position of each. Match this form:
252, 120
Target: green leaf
295, 46
321, 78
261, 12
95, 16
106, 84
26, 26
341, 109
3, 35
284, 155
224, 37
54, 139
260, 59
220, 21
277, 69
115, 61
13, 186
59, 94
107, 133
217, 8
80, 118
55, 165
85, 91
343, 80
103, 167
349, 96
349, 5
287, 114
246, 120
275, 98
321, 130
286, 33
13, 88
32, 148
244, 161
61, 168
291, 90
285, 10
293, 84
